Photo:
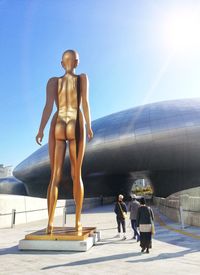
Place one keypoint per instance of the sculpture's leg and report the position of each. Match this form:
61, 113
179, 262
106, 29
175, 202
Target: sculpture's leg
77, 184
76, 165
51, 145
79, 194
60, 148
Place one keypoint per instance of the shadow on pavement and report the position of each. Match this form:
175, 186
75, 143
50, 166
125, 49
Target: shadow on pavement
95, 260
164, 256
161, 256
14, 250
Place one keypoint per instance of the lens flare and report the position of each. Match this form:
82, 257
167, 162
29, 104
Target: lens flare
182, 30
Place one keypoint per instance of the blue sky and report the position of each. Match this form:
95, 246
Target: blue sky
134, 52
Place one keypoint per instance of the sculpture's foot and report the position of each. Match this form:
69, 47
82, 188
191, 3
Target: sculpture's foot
49, 229
79, 227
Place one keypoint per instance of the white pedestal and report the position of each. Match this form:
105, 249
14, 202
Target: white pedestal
56, 242
52, 245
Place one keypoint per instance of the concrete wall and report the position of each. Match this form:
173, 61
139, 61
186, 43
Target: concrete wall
32, 209
188, 200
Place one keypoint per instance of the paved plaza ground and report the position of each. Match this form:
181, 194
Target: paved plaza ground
175, 251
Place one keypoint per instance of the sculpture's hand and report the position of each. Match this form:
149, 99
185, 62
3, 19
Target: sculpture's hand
39, 138
90, 133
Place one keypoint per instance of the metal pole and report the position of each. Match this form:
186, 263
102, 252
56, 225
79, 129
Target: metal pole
64, 216
181, 217
13, 217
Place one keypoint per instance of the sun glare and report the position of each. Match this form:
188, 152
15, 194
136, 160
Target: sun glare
182, 31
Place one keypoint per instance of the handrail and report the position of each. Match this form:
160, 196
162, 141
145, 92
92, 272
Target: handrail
35, 210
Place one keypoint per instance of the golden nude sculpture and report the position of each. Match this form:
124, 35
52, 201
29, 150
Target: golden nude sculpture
69, 93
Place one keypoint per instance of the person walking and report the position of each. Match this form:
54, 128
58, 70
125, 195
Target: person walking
144, 220
133, 208
121, 212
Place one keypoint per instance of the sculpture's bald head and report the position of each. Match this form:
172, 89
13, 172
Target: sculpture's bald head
70, 60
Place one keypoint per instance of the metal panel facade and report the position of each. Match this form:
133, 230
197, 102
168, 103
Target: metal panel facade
159, 140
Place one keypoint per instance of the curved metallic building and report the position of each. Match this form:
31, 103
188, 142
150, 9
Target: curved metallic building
160, 141
12, 186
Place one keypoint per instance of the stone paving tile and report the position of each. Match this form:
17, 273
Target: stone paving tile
172, 253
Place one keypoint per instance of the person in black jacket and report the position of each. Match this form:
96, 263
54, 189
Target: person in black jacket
144, 221
121, 212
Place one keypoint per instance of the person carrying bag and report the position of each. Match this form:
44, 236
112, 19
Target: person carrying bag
124, 214
121, 213
146, 226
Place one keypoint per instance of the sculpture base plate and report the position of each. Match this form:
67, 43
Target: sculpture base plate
62, 233
62, 239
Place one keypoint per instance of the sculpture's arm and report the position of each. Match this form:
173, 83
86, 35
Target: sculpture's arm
50, 98
85, 103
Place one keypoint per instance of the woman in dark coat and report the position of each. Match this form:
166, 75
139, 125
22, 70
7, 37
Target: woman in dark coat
144, 221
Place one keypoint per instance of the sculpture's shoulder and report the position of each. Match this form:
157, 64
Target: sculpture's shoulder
83, 77
52, 81
52, 87
84, 80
